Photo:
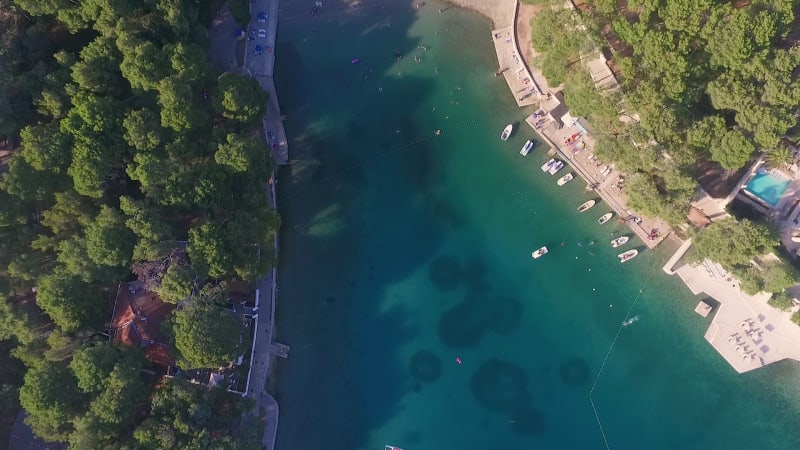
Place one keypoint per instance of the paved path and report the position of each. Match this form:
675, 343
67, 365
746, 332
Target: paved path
260, 63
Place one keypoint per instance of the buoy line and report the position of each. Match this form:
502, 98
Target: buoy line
608, 354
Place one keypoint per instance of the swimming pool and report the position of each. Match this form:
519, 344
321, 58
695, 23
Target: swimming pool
768, 187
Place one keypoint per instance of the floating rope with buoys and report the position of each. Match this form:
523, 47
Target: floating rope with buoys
627, 320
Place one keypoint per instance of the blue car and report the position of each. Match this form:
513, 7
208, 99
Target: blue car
262, 17
259, 50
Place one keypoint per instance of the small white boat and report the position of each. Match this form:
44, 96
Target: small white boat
507, 132
556, 167
586, 205
526, 148
619, 241
546, 166
627, 256
565, 179
605, 218
539, 253
391, 447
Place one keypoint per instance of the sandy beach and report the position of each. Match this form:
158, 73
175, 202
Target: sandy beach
500, 12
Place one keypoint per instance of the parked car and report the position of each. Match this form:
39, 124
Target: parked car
262, 17
262, 33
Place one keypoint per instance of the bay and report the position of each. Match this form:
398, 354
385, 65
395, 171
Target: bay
403, 250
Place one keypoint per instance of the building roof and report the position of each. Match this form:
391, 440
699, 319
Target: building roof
136, 320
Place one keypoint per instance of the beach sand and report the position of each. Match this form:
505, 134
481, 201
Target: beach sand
500, 12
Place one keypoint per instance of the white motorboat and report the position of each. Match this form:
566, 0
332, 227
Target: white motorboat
627, 256
539, 253
526, 148
507, 132
565, 179
586, 205
605, 218
558, 165
391, 447
546, 166
619, 241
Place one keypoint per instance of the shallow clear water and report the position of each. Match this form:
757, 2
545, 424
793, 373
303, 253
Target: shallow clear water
768, 188
403, 250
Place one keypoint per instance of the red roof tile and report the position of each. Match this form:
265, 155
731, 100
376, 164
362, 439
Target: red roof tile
137, 319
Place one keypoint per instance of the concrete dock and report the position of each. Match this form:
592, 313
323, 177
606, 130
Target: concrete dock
513, 68
746, 331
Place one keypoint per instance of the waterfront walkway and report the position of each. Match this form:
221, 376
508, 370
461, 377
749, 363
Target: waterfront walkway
259, 62
556, 126
512, 67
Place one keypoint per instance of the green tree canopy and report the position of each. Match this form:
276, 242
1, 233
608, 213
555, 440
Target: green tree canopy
94, 363
245, 153
143, 64
177, 105
207, 334
70, 302
183, 415
733, 243
779, 276
108, 241
142, 129
733, 150
46, 147
176, 284
241, 98
189, 61
208, 250
50, 396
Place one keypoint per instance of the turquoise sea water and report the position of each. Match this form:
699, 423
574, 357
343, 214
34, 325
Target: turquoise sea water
768, 188
402, 251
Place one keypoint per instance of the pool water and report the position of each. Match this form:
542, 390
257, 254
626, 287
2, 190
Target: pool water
768, 187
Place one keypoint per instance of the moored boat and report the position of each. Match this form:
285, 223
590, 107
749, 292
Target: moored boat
558, 165
605, 218
565, 179
539, 253
627, 256
546, 166
526, 148
507, 132
391, 447
586, 205
622, 240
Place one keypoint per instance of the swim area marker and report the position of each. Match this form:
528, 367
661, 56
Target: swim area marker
611, 348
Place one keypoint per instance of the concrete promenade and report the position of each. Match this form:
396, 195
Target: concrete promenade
746, 331
261, 67
259, 62
514, 70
